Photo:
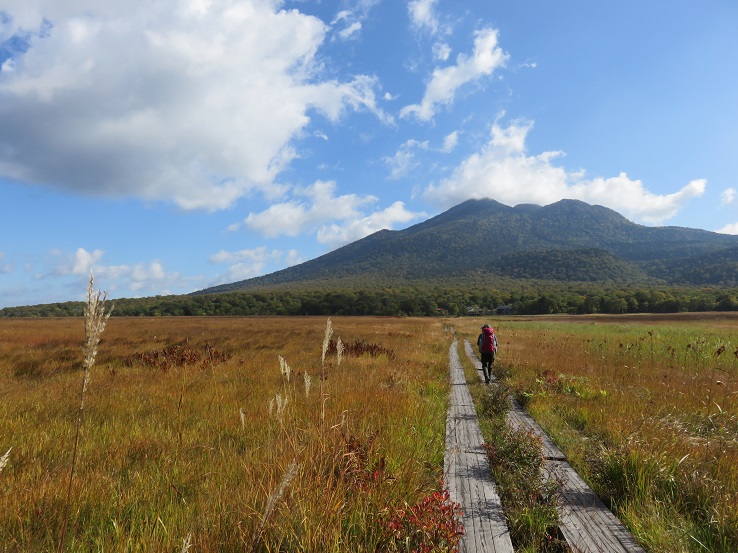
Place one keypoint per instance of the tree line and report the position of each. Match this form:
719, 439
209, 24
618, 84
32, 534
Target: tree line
523, 298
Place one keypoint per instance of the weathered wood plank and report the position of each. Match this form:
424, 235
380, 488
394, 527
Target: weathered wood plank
586, 523
467, 473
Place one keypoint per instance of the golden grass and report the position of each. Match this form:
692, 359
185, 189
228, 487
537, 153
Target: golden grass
189, 457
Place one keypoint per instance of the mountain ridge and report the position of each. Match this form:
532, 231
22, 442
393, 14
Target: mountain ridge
566, 240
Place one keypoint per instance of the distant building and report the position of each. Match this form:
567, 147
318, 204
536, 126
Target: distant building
504, 310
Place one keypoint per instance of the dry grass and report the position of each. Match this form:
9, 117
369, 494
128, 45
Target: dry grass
174, 457
645, 407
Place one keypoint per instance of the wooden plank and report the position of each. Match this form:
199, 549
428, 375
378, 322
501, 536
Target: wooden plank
467, 473
586, 523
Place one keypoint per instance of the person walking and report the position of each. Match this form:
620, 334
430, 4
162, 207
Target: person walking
487, 343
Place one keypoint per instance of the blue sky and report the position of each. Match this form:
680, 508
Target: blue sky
173, 145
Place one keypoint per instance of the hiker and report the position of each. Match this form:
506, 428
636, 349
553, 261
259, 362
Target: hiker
487, 343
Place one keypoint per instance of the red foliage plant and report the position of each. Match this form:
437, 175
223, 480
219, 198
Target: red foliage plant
359, 348
431, 525
178, 356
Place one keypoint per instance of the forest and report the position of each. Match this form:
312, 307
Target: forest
523, 297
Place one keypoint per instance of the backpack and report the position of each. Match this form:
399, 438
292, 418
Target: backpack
488, 340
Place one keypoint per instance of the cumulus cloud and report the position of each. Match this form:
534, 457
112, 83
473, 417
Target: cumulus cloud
336, 220
728, 196
422, 14
293, 217
441, 51
443, 84
293, 257
336, 235
80, 263
450, 141
246, 263
249, 263
404, 159
142, 278
195, 102
729, 229
503, 170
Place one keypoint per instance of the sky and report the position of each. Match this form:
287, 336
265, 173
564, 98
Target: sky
172, 145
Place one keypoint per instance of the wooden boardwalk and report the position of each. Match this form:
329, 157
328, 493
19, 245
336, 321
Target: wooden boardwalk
467, 473
586, 523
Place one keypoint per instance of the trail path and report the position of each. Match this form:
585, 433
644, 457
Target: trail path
466, 471
585, 521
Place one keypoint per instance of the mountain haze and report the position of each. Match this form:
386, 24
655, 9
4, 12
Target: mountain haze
568, 240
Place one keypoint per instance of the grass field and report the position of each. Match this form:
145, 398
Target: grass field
196, 436
645, 408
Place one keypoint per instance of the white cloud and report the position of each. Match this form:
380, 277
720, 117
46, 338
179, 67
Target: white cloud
141, 279
450, 141
351, 31
259, 254
503, 170
349, 22
294, 217
728, 196
245, 263
143, 275
81, 263
293, 258
404, 159
335, 235
422, 14
441, 51
729, 229
336, 220
401, 163
253, 262
444, 83
197, 102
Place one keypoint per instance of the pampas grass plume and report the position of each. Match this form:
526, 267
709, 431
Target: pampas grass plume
95, 320
284, 368
339, 351
307, 379
326, 339
4, 460
186, 543
288, 477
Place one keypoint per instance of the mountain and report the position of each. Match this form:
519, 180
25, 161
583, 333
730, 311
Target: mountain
567, 241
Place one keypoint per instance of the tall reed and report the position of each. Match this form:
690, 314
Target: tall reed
95, 320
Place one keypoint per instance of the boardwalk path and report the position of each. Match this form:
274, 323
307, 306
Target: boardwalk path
585, 521
467, 473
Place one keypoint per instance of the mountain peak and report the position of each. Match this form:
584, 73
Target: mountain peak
568, 239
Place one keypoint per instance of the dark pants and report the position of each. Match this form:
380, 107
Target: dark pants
488, 358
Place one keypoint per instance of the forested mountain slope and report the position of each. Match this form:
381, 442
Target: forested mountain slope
568, 240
